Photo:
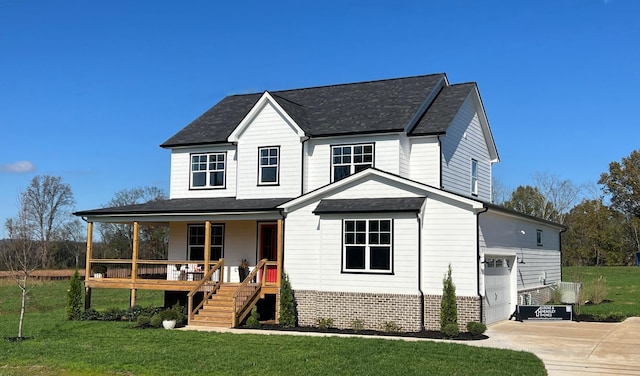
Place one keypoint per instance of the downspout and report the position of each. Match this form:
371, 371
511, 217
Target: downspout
422, 318
486, 209
560, 249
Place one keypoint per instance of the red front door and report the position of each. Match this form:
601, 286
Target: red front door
268, 242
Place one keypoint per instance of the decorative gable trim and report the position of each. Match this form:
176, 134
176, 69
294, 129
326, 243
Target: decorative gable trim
256, 109
484, 123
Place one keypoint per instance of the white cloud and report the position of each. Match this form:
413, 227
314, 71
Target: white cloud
18, 167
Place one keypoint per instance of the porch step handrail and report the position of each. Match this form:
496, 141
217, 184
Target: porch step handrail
205, 279
240, 310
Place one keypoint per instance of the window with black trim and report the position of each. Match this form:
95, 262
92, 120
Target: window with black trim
539, 237
367, 246
208, 170
268, 165
195, 246
474, 177
349, 159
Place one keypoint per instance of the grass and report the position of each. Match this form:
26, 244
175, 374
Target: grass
60, 347
623, 288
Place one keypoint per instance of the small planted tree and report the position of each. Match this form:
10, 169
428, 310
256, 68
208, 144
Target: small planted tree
287, 303
74, 297
448, 305
20, 255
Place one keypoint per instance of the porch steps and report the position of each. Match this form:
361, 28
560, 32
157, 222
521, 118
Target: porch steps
218, 310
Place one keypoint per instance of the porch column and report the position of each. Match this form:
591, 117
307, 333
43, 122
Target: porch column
207, 245
134, 261
87, 268
280, 247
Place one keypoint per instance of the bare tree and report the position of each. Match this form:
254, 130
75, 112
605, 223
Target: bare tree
499, 191
119, 237
20, 255
47, 204
562, 194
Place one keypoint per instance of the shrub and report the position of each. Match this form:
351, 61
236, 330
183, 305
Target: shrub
357, 325
156, 320
114, 314
476, 328
143, 321
448, 305
169, 314
182, 315
450, 330
391, 327
324, 323
91, 314
556, 295
74, 298
253, 321
287, 303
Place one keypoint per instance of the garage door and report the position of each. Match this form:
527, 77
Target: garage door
497, 282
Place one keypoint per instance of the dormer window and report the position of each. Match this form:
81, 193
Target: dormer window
208, 170
269, 165
349, 159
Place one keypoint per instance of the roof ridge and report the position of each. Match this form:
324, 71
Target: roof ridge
359, 82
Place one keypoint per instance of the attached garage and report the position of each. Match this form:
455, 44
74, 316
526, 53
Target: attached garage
497, 282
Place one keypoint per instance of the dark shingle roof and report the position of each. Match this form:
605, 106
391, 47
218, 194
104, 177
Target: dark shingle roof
370, 205
190, 205
365, 107
439, 115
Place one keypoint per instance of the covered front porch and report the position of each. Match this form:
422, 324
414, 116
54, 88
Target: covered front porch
209, 259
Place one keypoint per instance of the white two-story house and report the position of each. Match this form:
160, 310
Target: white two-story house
362, 193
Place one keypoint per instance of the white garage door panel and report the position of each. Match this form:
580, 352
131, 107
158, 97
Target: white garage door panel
497, 293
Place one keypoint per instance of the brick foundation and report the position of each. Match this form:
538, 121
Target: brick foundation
374, 310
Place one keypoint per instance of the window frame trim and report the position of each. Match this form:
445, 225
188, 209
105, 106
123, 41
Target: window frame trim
207, 177
539, 237
475, 184
331, 165
189, 245
269, 184
367, 270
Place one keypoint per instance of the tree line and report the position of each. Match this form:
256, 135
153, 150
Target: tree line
603, 222
44, 234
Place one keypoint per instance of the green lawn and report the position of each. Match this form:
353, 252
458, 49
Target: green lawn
623, 288
60, 347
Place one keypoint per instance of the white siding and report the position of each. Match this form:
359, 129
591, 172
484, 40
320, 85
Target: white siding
318, 158
449, 237
465, 141
502, 234
313, 257
181, 170
269, 128
425, 161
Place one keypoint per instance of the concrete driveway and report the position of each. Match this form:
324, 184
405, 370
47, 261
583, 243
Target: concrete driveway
573, 348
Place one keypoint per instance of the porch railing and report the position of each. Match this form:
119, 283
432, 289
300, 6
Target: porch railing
173, 270
208, 284
247, 293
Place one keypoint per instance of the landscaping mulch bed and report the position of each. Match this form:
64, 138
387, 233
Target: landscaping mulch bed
431, 334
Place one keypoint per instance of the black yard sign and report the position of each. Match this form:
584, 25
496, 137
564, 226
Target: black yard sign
545, 312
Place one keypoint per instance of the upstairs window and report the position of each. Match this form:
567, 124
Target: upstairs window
474, 177
539, 237
268, 165
208, 170
349, 159
196, 242
367, 246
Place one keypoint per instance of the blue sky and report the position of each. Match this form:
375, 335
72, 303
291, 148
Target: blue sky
89, 89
